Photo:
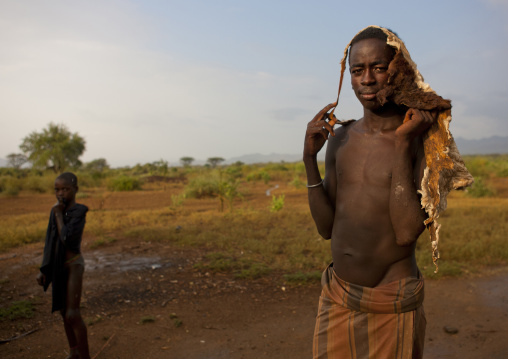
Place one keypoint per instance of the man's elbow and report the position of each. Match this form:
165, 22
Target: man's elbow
405, 241
326, 234
407, 238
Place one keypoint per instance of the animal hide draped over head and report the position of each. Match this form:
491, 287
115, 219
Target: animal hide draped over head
445, 168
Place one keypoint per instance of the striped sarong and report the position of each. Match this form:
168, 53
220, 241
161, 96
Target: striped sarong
355, 322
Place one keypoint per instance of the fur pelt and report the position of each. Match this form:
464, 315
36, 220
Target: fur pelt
403, 90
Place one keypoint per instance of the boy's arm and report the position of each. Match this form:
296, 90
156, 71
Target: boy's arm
320, 192
405, 207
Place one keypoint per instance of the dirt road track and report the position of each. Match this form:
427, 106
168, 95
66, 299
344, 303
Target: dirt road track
193, 315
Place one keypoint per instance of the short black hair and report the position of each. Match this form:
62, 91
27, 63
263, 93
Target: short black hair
371, 33
69, 177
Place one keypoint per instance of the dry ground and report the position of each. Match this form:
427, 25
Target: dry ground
146, 300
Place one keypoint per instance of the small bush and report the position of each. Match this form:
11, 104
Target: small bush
90, 180
40, 184
277, 203
10, 186
259, 176
124, 183
202, 187
177, 199
297, 182
480, 189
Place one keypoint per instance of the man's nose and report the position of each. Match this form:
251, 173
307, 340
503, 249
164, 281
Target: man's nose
368, 78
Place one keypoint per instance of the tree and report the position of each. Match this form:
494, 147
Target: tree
161, 166
16, 160
55, 147
97, 165
186, 161
214, 161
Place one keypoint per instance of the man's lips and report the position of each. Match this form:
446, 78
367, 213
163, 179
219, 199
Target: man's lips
368, 96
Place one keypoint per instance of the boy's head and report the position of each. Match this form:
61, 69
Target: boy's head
66, 187
371, 33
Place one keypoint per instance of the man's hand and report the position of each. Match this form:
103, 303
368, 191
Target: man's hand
59, 206
415, 123
41, 279
317, 132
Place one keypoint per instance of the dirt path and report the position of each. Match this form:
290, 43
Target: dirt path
145, 300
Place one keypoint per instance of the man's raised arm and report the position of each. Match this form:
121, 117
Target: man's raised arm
320, 191
405, 208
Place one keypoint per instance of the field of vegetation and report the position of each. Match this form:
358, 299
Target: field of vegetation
227, 213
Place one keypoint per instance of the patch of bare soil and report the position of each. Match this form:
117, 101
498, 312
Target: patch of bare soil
146, 300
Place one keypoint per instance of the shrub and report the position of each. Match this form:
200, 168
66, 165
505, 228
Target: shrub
259, 176
39, 184
124, 183
10, 186
177, 199
90, 180
277, 203
201, 187
297, 182
480, 189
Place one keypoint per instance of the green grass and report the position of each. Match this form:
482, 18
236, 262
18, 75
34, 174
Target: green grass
303, 278
17, 310
251, 241
473, 235
147, 319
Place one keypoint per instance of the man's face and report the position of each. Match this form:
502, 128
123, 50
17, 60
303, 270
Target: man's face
65, 192
368, 65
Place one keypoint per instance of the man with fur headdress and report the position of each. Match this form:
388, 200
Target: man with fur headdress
387, 176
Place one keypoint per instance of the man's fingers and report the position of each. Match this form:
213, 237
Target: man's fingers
323, 112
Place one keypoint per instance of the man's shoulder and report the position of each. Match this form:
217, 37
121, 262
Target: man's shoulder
77, 210
342, 130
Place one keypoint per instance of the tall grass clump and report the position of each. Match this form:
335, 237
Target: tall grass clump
22, 229
124, 183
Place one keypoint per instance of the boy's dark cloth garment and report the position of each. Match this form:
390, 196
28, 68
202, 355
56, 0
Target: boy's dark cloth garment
54, 250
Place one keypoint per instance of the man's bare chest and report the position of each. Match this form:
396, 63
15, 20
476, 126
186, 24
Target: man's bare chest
365, 160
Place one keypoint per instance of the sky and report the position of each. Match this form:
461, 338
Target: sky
147, 80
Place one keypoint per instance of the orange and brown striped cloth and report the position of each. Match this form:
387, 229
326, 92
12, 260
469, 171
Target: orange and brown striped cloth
355, 322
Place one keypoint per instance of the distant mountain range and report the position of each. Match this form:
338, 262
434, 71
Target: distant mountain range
484, 146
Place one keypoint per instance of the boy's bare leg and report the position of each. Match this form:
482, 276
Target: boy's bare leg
71, 338
73, 322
